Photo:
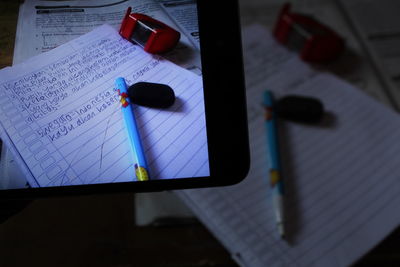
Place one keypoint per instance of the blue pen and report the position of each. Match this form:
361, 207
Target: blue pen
275, 170
141, 169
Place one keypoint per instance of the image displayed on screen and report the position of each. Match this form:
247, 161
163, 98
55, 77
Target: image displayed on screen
103, 92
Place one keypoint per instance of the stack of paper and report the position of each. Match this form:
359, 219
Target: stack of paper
342, 177
43, 25
62, 118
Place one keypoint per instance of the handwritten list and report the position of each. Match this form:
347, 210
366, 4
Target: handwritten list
61, 113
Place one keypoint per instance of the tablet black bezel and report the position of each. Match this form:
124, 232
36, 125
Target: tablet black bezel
225, 105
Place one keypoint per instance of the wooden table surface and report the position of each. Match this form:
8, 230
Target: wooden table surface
100, 230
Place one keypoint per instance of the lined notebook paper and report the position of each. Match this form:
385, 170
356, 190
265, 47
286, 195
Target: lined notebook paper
342, 177
62, 118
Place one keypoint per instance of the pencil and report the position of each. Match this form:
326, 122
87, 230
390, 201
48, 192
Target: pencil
275, 166
141, 169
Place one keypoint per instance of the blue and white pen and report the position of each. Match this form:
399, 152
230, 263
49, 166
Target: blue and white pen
275, 169
141, 169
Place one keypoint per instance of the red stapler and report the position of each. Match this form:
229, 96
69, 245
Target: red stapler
152, 35
314, 41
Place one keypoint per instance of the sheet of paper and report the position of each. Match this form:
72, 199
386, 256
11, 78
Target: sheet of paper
342, 186
60, 111
379, 38
184, 13
43, 25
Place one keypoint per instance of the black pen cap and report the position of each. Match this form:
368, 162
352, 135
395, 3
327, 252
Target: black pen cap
154, 95
300, 109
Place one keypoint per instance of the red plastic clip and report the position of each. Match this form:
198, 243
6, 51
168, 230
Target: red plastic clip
154, 36
314, 41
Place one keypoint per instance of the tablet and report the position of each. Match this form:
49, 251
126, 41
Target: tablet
156, 102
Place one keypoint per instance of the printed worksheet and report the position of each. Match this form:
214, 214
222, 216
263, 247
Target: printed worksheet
45, 25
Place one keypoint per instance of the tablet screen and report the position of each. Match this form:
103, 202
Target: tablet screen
108, 95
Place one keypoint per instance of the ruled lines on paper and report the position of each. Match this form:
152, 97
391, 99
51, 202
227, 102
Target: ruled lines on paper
61, 112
